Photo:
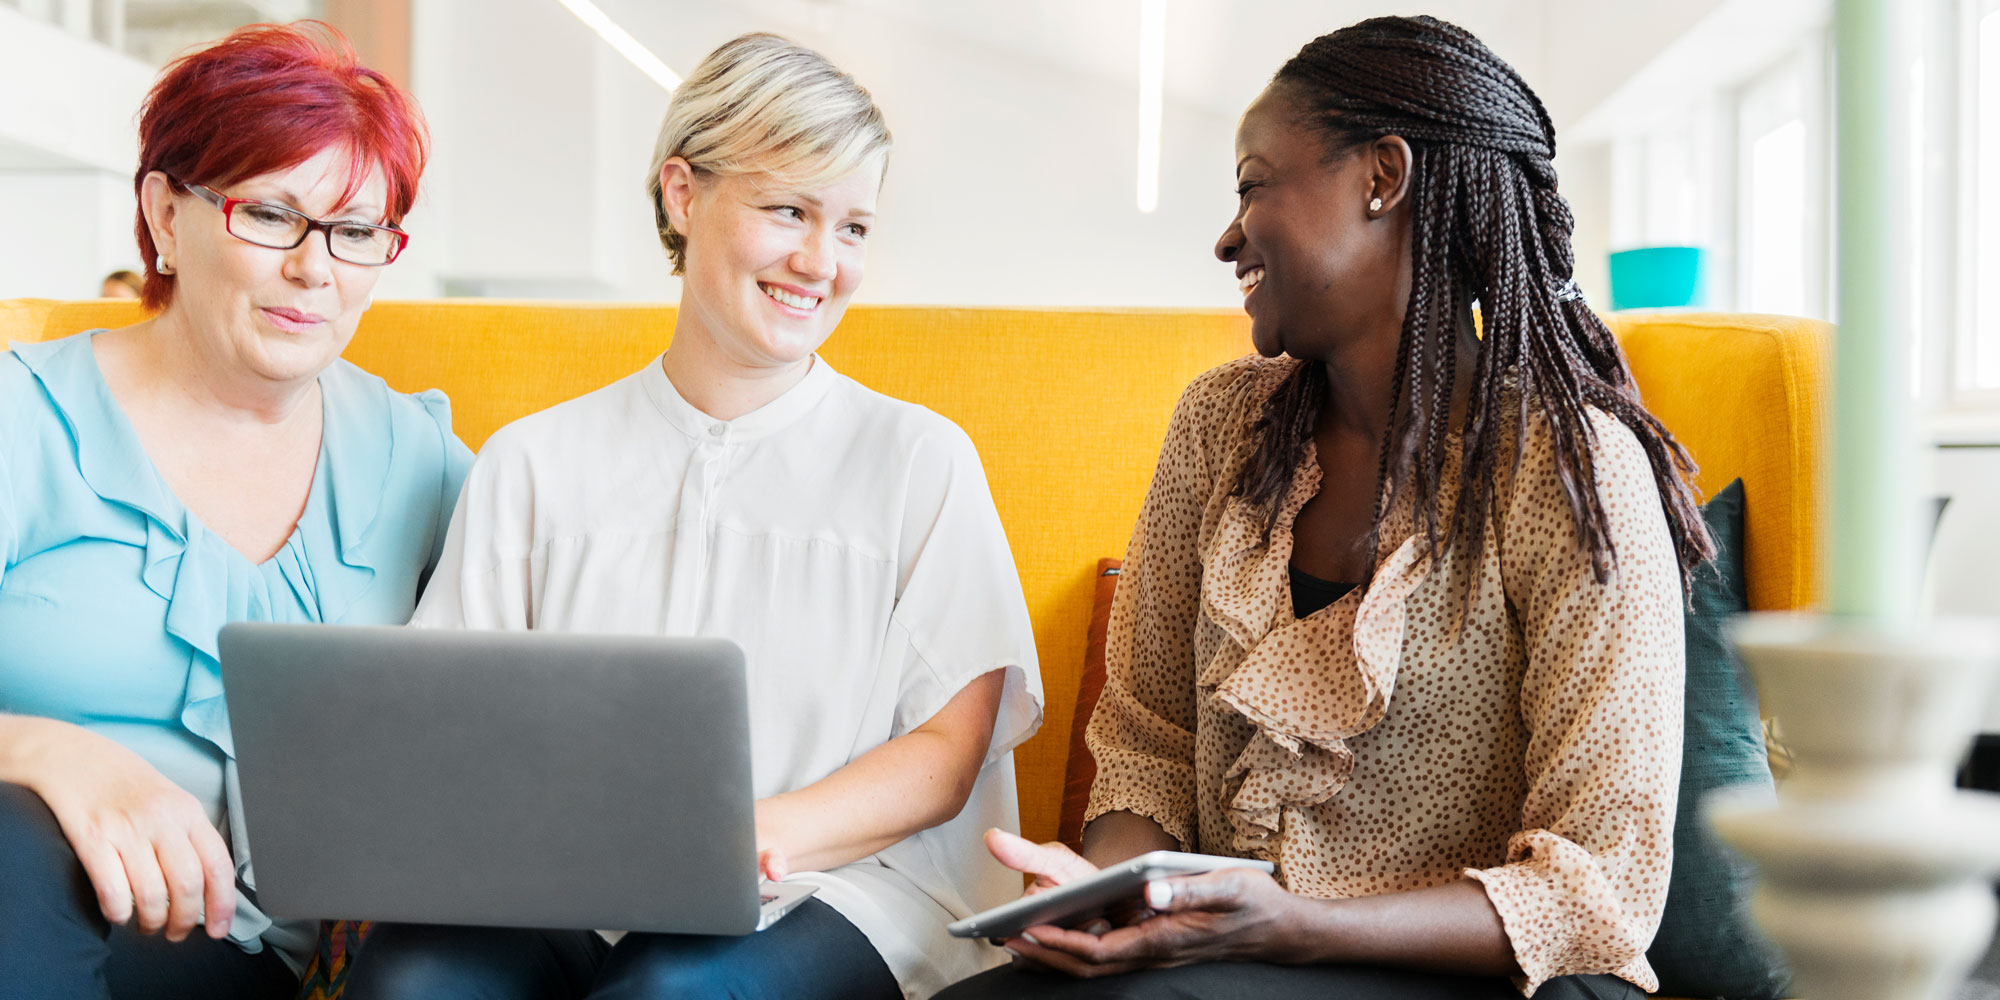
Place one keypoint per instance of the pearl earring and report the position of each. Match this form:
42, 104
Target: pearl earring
1374, 204
160, 264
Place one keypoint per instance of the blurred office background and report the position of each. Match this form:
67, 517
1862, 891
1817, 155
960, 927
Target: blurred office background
1698, 124
1694, 148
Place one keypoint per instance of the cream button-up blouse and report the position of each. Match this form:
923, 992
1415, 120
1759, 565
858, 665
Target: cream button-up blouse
846, 540
1373, 746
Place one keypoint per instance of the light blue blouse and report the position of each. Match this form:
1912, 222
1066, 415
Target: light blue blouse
112, 593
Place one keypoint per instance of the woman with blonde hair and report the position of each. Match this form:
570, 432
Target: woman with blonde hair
739, 487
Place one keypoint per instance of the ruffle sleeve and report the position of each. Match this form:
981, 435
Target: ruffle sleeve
9, 532
480, 578
457, 463
1142, 733
959, 612
1586, 875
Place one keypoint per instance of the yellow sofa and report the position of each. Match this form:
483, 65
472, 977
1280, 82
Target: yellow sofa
1068, 408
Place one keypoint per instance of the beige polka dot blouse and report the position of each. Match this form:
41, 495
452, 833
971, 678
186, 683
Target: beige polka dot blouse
1374, 747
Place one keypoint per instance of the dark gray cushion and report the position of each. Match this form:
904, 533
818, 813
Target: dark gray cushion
1707, 946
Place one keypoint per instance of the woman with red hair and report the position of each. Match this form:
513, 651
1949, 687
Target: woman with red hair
214, 463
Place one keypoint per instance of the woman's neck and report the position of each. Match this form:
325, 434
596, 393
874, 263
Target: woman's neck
162, 362
721, 386
1361, 372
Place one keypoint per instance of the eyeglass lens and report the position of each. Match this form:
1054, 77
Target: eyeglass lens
271, 226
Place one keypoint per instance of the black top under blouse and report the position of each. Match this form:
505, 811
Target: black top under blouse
1310, 593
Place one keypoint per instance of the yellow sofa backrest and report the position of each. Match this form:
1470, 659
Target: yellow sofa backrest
1068, 408
1747, 395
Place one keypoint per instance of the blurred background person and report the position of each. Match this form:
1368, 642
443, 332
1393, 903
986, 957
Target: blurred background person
121, 284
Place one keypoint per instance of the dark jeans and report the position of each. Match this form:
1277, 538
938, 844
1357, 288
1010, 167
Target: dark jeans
812, 953
1250, 981
54, 942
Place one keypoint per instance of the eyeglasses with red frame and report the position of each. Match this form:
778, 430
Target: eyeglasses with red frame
263, 224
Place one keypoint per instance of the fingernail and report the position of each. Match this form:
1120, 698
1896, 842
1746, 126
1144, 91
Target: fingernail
1159, 894
1010, 951
1030, 938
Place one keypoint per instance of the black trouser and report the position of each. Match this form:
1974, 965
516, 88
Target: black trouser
811, 954
54, 941
1254, 981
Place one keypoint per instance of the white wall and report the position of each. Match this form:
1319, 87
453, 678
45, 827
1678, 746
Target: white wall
1584, 178
1960, 580
1012, 180
64, 231
67, 151
1010, 183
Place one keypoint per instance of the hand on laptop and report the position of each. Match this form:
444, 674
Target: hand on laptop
149, 849
771, 864
771, 861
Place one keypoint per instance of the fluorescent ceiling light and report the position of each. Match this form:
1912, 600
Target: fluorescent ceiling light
1152, 70
619, 39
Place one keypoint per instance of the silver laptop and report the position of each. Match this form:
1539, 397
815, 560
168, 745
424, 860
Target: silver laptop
515, 779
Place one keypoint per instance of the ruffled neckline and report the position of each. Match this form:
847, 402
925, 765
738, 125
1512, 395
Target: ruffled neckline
1299, 755
204, 581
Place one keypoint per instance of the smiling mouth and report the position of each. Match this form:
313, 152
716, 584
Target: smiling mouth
782, 297
1250, 280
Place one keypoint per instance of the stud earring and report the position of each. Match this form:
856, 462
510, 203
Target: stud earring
1374, 204
160, 264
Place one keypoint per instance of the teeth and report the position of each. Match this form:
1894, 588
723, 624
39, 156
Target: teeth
795, 301
1250, 280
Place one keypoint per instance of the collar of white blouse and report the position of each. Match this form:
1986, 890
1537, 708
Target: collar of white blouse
761, 422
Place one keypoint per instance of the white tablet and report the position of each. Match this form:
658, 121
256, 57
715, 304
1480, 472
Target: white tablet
1086, 898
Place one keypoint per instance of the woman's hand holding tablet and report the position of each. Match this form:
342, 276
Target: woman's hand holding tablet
1090, 893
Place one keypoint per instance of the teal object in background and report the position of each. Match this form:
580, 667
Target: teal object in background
1658, 277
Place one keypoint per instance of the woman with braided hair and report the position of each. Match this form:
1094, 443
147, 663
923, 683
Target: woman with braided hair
1403, 611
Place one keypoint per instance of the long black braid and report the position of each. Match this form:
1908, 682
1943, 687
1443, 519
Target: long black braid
1487, 225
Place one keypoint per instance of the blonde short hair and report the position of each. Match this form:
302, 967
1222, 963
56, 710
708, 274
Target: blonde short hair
762, 104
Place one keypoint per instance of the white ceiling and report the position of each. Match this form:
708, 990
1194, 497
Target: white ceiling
1219, 53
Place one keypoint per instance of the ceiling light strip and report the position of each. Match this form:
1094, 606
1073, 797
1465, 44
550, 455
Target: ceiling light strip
1152, 72
619, 39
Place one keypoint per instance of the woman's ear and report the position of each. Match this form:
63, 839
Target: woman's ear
156, 203
1390, 166
677, 192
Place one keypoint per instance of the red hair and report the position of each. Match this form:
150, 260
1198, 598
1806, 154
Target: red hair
267, 98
